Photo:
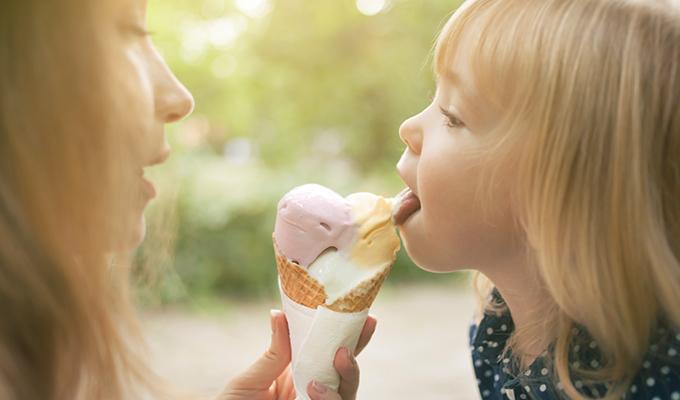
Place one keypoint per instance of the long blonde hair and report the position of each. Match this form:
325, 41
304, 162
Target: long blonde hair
67, 329
590, 95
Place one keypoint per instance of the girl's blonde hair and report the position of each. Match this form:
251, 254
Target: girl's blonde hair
68, 179
589, 92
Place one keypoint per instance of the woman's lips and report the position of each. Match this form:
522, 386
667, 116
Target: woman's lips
407, 204
149, 189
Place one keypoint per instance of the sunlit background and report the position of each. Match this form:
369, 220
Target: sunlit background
288, 92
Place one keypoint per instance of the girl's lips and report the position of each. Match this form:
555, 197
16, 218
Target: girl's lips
407, 204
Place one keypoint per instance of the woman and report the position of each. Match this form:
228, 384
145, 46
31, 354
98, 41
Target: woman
84, 97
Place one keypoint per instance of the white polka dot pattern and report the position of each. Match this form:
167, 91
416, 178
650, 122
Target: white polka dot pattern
499, 377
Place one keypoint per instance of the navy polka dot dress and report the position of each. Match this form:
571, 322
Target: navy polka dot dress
498, 378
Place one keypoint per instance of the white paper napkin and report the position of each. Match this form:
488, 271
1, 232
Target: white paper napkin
315, 337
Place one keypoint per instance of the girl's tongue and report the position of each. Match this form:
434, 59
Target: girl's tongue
406, 204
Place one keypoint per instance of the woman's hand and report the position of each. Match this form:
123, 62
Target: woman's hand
269, 378
347, 367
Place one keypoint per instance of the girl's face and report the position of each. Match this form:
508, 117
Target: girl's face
452, 229
157, 98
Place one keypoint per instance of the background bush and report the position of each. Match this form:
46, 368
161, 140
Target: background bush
287, 92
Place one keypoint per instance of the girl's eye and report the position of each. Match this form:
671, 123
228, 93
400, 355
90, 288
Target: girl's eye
451, 120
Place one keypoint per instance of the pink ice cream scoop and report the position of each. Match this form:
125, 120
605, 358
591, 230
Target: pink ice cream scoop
310, 219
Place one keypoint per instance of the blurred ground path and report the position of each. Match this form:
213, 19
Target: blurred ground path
419, 350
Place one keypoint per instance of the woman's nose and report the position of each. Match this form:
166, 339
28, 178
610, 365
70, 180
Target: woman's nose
411, 134
173, 100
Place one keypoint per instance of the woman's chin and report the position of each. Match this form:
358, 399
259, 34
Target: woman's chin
140, 232
136, 235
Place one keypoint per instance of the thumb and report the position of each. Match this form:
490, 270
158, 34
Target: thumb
272, 363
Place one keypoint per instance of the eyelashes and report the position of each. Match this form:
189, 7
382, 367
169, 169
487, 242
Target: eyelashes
451, 120
135, 29
142, 31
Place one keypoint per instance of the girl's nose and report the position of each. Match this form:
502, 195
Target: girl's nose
411, 134
173, 100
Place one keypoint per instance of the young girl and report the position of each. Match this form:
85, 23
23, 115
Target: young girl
84, 97
549, 161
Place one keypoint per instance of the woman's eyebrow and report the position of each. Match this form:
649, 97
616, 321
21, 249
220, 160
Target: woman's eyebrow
139, 7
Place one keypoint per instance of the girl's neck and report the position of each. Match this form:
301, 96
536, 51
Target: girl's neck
517, 281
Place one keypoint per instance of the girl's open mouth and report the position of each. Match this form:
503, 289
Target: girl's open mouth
406, 203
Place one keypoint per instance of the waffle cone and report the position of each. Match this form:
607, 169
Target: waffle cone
303, 289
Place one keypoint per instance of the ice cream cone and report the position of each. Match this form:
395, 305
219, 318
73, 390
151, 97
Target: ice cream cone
302, 288
297, 283
361, 297
326, 293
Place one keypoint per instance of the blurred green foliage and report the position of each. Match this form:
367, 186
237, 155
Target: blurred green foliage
287, 92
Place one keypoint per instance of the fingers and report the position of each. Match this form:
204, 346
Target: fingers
318, 391
347, 367
366, 333
273, 362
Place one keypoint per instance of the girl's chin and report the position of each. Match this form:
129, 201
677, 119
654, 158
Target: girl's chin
421, 248
415, 245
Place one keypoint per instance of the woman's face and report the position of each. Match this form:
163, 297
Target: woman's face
158, 98
452, 230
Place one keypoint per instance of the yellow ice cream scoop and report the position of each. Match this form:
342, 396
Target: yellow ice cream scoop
376, 239
344, 244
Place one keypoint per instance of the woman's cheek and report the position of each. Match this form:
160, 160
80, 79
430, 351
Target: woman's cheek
140, 68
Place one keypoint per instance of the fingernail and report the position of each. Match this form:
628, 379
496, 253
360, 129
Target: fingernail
371, 333
272, 318
375, 325
350, 356
319, 387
